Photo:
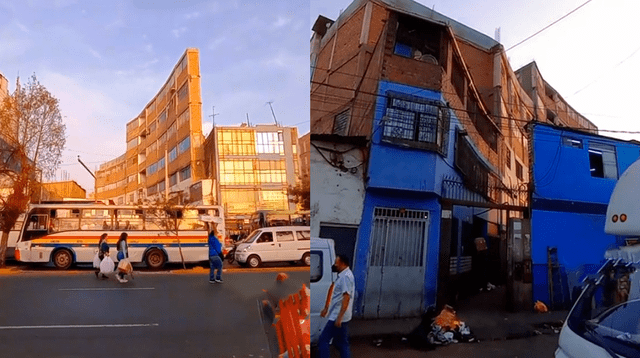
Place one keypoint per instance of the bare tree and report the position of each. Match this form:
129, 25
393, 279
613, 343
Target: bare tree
32, 137
167, 214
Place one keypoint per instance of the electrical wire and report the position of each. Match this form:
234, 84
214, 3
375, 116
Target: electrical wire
475, 113
548, 26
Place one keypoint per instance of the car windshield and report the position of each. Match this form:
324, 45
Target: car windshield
251, 237
607, 312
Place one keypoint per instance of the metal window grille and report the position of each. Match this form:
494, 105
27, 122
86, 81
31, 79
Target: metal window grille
341, 123
398, 237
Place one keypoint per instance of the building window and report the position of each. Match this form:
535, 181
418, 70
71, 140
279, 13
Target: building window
152, 127
415, 121
182, 93
571, 142
418, 39
161, 186
183, 118
185, 173
173, 179
132, 143
173, 154
269, 143
237, 172
161, 163
274, 199
272, 171
184, 145
162, 117
171, 130
236, 142
508, 158
161, 140
602, 161
341, 123
152, 190
519, 173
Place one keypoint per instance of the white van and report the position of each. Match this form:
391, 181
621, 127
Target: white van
322, 257
277, 243
604, 320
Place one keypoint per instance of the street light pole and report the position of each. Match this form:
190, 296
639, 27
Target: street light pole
95, 181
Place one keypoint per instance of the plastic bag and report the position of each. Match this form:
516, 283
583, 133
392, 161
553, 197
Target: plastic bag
447, 319
125, 266
96, 260
107, 265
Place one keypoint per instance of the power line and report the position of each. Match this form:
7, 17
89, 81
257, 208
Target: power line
567, 112
471, 112
548, 26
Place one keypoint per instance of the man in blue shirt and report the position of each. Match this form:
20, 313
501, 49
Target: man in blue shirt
215, 262
338, 307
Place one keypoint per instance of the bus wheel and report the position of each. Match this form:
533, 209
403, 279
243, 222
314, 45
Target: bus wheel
154, 259
254, 261
62, 259
306, 259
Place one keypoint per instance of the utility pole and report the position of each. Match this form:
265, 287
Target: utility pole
272, 112
95, 185
248, 123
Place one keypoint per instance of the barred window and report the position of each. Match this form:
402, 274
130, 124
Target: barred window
415, 121
341, 123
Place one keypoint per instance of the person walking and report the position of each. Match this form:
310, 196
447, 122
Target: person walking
123, 253
103, 249
215, 257
338, 309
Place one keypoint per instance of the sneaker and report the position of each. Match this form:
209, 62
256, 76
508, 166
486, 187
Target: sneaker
212, 281
104, 277
219, 281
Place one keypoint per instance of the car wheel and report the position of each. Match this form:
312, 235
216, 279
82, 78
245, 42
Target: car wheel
306, 259
62, 259
155, 259
254, 261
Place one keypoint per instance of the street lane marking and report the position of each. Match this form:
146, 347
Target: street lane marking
83, 326
106, 289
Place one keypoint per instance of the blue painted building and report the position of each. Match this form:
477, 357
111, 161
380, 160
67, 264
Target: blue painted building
402, 203
574, 174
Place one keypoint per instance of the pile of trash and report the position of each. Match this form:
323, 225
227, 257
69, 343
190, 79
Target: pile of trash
443, 329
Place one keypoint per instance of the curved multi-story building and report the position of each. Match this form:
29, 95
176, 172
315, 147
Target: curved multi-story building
164, 152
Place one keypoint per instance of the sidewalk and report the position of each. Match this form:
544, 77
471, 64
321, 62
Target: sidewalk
483, 313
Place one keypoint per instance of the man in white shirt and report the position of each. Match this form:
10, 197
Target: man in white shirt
338, 307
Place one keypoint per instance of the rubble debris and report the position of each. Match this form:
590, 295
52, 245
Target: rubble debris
443, 329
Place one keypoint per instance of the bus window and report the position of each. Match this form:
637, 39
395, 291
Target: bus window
37, 222
95, 220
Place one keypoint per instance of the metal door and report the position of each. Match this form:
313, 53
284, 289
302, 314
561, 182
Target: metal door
395, 280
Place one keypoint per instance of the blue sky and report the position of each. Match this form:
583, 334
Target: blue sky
591, 57
104, 61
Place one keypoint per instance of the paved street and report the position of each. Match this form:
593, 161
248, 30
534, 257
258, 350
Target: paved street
72, 314
534, 347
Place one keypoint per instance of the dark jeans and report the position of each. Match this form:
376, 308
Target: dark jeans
340, 340
215, 264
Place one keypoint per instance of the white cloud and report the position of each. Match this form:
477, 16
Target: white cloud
95, 53
281, 21
149, 48
193, 15
179, 32
216, 42
22, 27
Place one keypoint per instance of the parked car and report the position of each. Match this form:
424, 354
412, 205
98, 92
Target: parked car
605, 320
272, 244
323, 255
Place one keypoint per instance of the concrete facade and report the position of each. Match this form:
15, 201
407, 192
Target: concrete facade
164, 152
63, 190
